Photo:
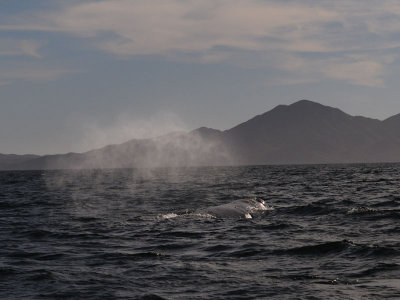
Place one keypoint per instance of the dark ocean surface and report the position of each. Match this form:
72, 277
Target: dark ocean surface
330, 232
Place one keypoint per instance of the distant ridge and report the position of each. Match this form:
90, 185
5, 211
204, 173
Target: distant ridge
308, 132
304, 132
8, 161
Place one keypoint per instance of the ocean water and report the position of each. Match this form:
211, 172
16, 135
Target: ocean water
330, 232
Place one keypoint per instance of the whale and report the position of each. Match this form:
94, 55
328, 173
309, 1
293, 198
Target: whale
239, 209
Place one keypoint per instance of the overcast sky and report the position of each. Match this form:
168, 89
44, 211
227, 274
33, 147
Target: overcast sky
76, 75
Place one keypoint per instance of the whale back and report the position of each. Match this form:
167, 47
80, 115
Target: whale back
242, 208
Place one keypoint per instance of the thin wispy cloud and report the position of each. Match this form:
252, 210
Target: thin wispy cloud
32, 73
21, 47
237, 32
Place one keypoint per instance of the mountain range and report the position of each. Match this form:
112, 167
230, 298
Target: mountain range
304, 132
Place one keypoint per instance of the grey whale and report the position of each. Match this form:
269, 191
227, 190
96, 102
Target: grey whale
240, 209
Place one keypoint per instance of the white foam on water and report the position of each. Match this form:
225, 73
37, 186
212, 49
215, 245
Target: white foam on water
206, 216
361, 210
168, 216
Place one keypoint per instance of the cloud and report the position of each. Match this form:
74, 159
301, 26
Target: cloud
13, 47
367, 73
250, 33
364, 70
32, 73
160, 27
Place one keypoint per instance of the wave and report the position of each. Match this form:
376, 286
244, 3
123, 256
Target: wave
374, 214
120, 256
151, 297
319, 249
388, 201
7, 271
377, 250
346, 247
377, 269
312, 209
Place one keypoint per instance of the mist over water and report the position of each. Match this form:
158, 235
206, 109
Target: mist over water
97, 133
142, 145
331, 233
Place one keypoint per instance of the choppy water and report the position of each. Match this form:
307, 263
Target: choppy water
333, 233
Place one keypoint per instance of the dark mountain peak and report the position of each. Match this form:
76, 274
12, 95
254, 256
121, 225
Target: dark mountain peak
316, 110
304, 107
305, 102
296, 114
307, 105
306, 110
299, 105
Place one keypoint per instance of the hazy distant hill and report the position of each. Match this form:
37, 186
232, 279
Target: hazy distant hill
304, 132
9, 160
201, 147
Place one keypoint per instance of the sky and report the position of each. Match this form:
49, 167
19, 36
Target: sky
77, 75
